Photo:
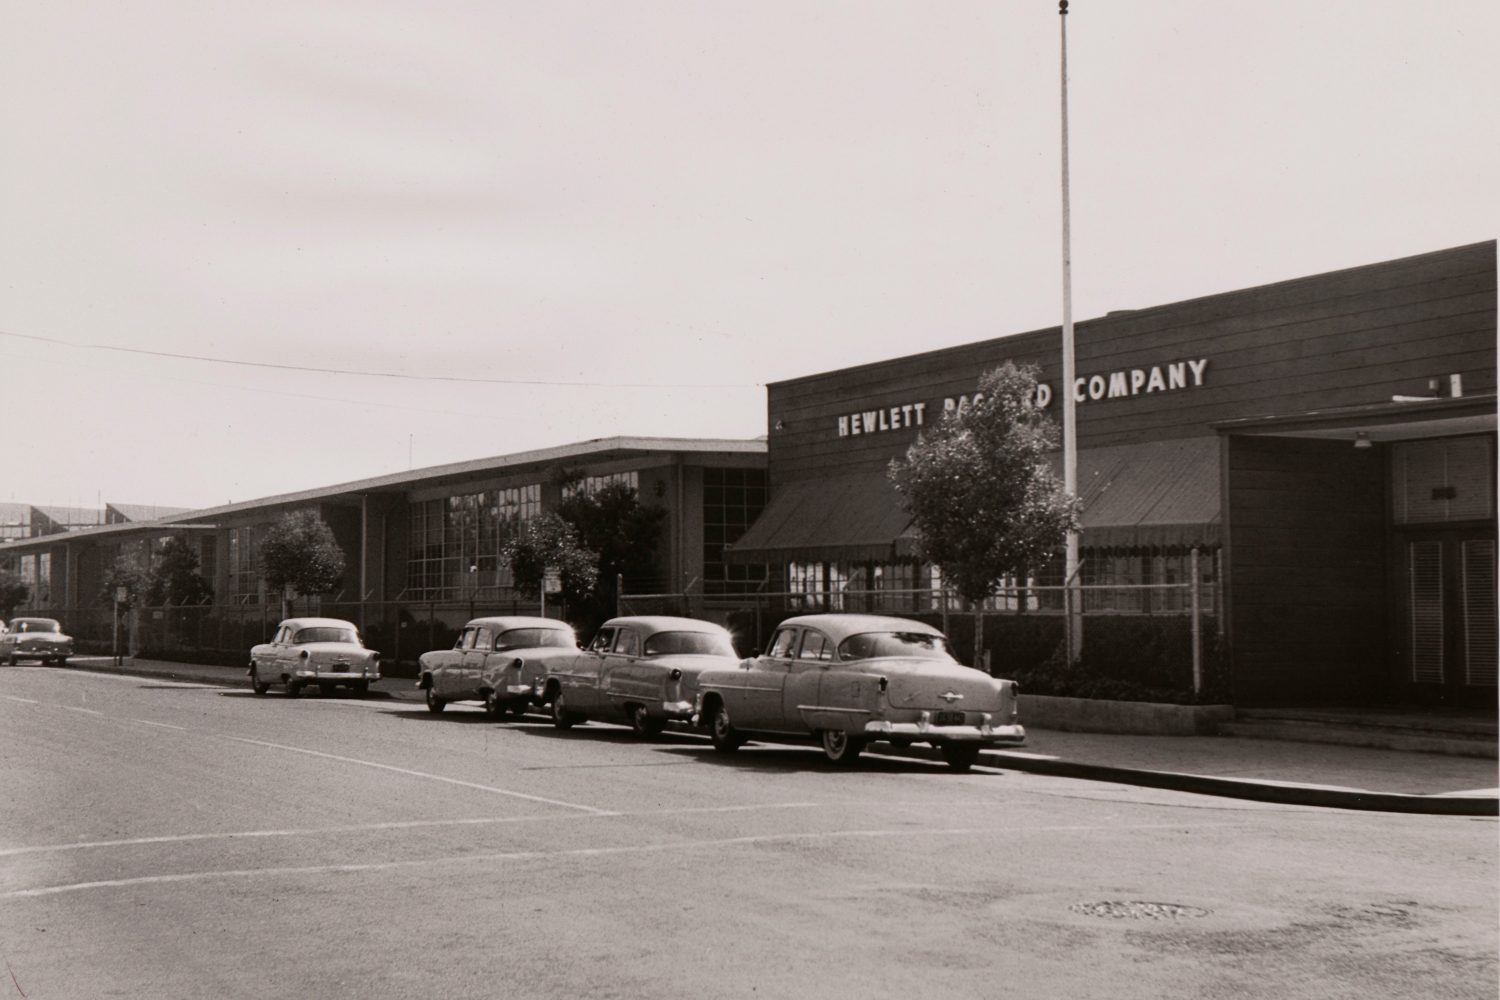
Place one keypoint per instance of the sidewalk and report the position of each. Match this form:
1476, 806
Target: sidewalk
1314, 774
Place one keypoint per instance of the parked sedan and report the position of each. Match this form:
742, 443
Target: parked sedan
640, 671
35, 639
850, 680
497, 661
326, 652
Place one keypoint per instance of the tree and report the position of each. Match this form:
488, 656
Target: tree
623, 534
12, 592
549, 541
175, 578
982, 496
124, 573
299, 551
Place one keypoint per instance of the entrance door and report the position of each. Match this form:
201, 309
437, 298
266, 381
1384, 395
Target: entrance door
1451, 623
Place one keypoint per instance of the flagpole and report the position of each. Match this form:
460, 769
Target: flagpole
1073, 593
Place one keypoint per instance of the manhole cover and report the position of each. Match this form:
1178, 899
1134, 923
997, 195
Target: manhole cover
1136, 910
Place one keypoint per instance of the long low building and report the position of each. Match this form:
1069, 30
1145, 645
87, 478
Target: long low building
1316, 457
421, 547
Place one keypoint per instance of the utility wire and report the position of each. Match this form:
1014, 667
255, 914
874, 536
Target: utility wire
378, 374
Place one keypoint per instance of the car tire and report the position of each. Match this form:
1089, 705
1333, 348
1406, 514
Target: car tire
434, 703
493, 706
960, 756
360, 688
256, 684
561, 717
293, 689
642, 724
726, 738
11, 659
62, 661
520, 708
840, 747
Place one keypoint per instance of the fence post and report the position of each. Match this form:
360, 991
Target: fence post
1197, 627
619, 593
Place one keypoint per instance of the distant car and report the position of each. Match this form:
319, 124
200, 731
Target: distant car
35, 639
497, 661
849, 680
640, 671
324, 652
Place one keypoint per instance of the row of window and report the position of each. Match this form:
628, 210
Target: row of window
1130, 583
455, 542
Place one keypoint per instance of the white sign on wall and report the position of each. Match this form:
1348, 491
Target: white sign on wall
1121, 384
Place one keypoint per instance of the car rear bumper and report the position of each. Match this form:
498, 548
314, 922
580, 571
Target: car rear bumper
984, 734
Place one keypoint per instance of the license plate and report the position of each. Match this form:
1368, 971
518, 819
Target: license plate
948, 718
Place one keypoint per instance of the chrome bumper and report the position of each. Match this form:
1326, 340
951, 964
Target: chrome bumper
986, 734
518, 690
682, 711
329, 676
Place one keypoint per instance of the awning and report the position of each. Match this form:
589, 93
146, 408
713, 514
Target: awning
852, 517
1158, 494
1149, 495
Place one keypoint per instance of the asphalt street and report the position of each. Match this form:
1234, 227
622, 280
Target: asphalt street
175, 840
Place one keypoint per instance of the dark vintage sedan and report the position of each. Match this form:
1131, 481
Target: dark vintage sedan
497, 661
849, 680
640, 671
35, 639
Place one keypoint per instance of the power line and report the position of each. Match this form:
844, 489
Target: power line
379, 374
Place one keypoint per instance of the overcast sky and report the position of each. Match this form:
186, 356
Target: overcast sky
641, 212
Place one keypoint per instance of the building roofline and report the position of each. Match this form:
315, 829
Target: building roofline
391, 481
498, 463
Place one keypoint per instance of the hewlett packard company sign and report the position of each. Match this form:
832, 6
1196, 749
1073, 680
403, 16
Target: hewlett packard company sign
1121, 384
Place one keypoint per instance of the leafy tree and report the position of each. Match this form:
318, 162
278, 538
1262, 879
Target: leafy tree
175, 578
623, 534
299, 551
983, 498
546, 541
124, 572
12, 592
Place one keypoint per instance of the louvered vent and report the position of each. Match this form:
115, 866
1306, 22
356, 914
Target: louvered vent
1447, 479
1427, 612
1479, 612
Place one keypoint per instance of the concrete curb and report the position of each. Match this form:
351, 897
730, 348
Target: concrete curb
1281, 793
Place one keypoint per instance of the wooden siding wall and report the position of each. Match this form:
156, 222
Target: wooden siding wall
1306, 569
1340, 339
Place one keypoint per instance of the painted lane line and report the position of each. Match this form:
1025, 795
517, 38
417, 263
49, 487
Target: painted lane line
413, 824
24, 701
419, 774
155, 681
75, 708
159, 725
583, 852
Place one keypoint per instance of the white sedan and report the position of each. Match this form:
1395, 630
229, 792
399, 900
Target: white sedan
326, 652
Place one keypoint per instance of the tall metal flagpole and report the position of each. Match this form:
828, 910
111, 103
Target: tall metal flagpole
1073, 593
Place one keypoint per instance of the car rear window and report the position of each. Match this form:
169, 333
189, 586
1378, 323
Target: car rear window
324, 633
870, 645
530, 638
689, 643
35, 625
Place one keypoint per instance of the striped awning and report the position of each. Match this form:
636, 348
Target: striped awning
1159, 494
